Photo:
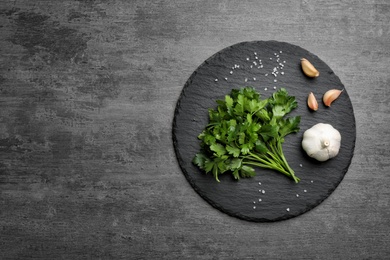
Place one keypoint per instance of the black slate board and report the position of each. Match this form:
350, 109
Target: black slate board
238, 66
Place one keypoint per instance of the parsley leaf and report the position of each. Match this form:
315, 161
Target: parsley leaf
245, 131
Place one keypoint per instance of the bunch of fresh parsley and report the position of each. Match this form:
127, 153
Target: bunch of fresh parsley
245, 131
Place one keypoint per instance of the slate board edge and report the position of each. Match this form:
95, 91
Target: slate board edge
198, 190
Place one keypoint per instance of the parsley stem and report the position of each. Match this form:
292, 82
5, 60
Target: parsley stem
272, 167
274, 161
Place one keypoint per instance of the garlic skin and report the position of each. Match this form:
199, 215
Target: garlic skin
309, 69
321, 142
330, 96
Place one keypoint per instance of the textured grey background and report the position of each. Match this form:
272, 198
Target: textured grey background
87, 95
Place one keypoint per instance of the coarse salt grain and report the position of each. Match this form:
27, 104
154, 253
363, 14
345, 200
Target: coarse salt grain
254, 207
297, 195
216, 80
259, 199
231, 72
304, 190
275, 80
265, 89
288, 209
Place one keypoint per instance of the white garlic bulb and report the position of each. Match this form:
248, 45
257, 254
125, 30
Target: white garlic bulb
321, 142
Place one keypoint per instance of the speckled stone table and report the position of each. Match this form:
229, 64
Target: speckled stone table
88, 91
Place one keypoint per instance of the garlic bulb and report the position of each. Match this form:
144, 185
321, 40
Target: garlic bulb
321, 142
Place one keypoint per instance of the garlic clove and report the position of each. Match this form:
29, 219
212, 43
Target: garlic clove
309, 69
312, 102
330, 96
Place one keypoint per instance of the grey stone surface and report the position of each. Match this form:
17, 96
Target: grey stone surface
87, 96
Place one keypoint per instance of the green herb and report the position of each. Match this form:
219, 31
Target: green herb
246, 131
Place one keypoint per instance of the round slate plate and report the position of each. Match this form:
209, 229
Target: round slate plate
270, 196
